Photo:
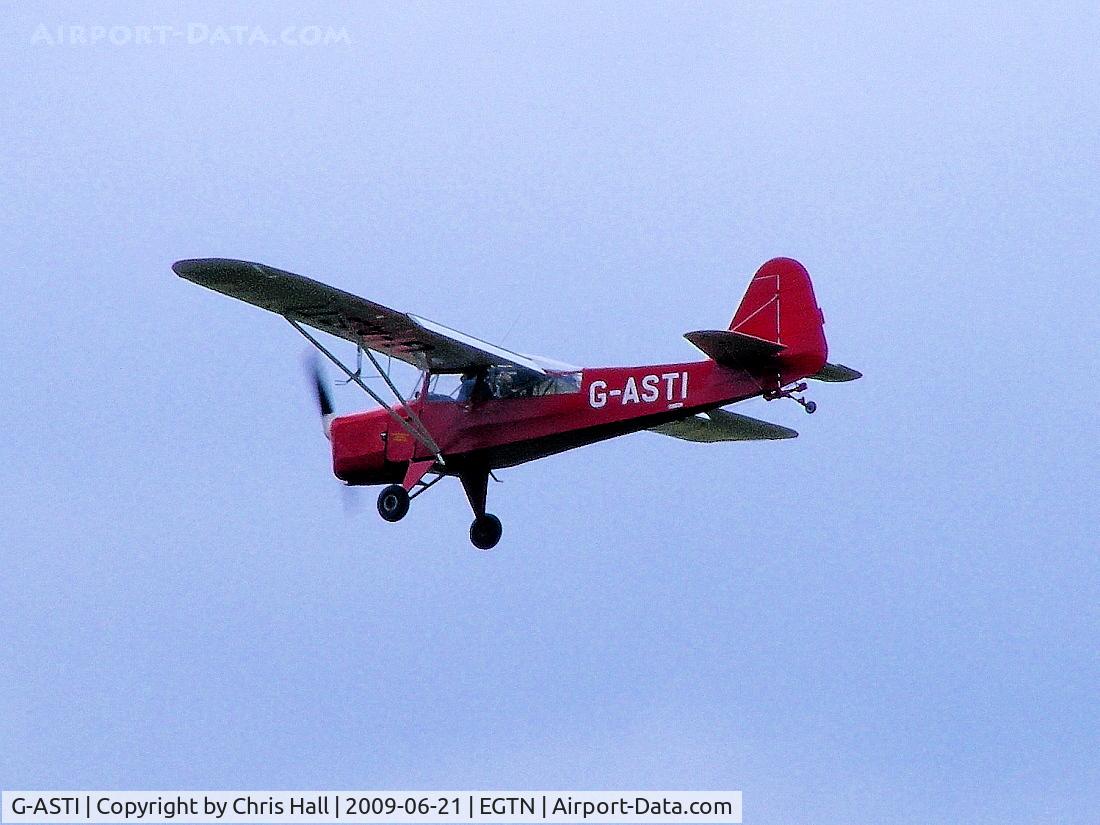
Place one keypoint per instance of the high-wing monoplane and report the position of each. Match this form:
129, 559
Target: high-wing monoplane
479, 407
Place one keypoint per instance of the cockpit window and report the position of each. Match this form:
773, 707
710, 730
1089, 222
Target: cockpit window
446, 387
501, 383
511, 382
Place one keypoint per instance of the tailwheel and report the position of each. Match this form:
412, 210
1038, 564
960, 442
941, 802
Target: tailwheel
789, 392
485, 531
393, 503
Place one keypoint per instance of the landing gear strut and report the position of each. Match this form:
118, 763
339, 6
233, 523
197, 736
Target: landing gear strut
809, 406
485, 531
393, 503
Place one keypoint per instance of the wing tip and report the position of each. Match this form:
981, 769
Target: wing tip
186, 266
196, 269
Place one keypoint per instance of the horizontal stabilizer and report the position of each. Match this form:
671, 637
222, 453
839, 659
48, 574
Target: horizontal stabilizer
734, 349
720, 425
836, 374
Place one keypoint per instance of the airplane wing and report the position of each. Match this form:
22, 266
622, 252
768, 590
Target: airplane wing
720, 425
409, 338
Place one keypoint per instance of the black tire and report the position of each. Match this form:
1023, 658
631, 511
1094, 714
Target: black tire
393, 503
811, 407
485, 532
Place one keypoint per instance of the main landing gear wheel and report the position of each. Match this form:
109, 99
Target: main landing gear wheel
811, 407
485, 532
393, 503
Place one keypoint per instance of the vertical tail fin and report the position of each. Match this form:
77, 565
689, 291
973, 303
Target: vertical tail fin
780, 307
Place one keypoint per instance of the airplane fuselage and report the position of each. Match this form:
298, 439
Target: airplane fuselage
372, 448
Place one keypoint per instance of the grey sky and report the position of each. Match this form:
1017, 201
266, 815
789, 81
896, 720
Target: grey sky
893, 618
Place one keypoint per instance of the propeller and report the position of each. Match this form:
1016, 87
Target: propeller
321, 393
327, 409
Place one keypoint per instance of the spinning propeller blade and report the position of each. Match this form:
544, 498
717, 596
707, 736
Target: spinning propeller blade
321, 393
352, 502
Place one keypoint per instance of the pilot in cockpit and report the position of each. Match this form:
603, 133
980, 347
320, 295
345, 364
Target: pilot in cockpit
469, 388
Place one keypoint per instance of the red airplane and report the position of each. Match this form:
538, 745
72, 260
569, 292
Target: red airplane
479, 407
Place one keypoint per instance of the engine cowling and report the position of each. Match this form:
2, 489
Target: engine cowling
359, 449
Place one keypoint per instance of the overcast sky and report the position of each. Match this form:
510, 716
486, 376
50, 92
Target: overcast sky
893, 618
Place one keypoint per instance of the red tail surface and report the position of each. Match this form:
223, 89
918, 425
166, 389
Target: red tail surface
780, 307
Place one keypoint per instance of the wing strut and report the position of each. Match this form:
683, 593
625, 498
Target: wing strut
419, 432
428, 442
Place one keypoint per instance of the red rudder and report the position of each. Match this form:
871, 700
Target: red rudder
780, 306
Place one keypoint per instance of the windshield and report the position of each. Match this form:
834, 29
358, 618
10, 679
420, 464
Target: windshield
448, 387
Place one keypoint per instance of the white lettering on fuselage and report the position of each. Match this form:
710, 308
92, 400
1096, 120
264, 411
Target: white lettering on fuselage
645, 390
